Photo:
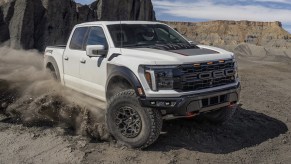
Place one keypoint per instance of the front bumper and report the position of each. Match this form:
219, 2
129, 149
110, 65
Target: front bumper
194, 103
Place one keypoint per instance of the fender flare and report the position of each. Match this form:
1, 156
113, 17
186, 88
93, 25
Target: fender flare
123, 72
50, 59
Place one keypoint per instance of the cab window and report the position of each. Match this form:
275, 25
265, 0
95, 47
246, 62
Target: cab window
78, 38
96, 36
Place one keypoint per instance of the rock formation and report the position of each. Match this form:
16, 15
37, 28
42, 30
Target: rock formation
270, 34
125, 10
35, 24
4, 31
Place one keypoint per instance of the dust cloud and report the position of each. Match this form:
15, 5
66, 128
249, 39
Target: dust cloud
29, 95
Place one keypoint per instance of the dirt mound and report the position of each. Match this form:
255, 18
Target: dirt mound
251, 50
263, 53
54, 110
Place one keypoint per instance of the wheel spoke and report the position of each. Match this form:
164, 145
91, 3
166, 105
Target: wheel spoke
128, 121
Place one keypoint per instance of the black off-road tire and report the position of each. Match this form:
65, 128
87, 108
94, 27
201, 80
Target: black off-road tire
220, 116
150, 120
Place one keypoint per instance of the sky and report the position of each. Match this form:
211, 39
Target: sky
205, 10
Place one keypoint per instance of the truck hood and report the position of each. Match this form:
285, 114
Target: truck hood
182, 56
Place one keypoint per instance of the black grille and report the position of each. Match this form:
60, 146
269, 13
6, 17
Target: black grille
206, 75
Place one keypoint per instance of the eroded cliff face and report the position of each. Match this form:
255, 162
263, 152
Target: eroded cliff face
4, 31
35, 24
269, 34
125, 10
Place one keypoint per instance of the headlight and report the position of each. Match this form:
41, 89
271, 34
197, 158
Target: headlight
160, 77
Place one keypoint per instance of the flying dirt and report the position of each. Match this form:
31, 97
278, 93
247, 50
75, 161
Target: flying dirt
42, 122
30, 96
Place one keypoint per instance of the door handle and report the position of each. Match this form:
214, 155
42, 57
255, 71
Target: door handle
83, 61
66, 58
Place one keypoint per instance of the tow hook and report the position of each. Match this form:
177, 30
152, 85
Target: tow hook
232, 105
191, 114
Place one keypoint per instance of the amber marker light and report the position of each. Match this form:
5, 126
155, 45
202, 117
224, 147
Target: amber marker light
221, 61
196, 65
140, 91
209, 63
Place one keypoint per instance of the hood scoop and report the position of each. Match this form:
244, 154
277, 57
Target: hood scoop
174, 46
183, 49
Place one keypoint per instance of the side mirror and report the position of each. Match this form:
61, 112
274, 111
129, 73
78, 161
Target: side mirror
96, 50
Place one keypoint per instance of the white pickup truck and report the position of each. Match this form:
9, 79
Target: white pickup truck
146, 71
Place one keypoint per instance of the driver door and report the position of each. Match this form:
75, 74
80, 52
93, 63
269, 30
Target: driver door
93, 69
72, 58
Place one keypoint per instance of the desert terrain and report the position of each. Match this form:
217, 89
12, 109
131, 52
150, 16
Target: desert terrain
42, 122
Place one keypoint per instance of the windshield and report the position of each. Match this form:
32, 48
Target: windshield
135, 35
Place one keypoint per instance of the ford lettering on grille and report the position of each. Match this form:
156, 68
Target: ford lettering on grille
205, 75
216, 74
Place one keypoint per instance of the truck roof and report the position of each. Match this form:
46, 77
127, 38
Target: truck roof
118, 22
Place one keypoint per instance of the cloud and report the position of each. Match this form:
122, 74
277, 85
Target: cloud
277, 1
210, 10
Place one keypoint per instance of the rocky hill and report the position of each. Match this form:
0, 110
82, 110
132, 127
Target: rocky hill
269, 34
34, 24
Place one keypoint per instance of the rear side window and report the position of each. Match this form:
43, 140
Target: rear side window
96, 36
78, 38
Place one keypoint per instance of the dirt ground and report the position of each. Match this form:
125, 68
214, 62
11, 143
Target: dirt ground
258, 133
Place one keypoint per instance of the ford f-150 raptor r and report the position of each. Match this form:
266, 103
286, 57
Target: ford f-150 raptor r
145, 71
